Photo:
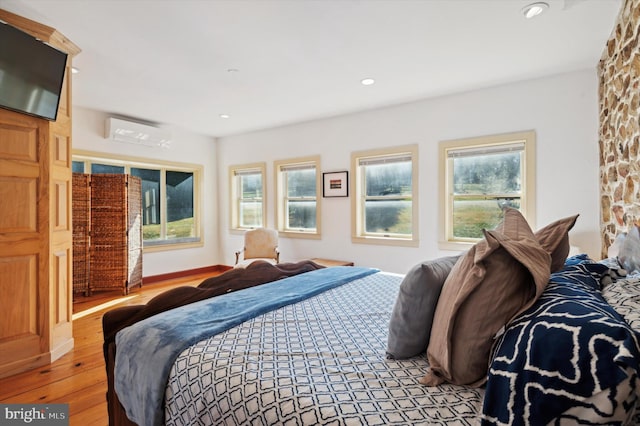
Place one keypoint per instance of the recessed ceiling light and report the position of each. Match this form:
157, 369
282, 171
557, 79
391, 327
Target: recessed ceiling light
224, 116
367, 81
534, 9
232, 70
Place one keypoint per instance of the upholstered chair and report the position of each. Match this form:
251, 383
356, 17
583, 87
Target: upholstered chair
259, 244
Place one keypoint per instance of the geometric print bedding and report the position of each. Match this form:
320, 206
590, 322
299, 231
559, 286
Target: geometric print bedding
569, 359
321, 361
624, 296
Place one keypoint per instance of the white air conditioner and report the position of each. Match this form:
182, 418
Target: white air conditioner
136, 133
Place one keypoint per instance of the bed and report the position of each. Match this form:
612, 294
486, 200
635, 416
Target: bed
312, 346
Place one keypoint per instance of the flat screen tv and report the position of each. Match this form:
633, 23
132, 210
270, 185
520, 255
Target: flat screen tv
31, 74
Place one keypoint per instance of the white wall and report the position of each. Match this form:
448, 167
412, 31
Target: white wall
187, 147
561, 109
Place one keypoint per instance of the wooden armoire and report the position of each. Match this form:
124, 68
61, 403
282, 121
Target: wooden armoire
35, 225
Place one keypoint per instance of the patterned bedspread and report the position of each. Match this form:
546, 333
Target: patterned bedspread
317, 362
624, 296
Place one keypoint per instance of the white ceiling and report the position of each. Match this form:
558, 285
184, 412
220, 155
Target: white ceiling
168, 61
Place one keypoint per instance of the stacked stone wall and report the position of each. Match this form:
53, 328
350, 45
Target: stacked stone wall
619, 109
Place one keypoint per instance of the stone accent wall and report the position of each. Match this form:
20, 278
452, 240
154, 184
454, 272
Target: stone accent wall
619, 99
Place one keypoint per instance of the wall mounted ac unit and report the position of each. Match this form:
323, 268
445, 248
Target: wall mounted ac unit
136, 133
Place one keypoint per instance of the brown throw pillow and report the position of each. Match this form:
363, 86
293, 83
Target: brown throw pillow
412, 315
554, 238
498, 278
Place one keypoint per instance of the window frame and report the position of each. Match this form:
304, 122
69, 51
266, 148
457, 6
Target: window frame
446, 240
235, 198
358, 234
89, 157
281, 197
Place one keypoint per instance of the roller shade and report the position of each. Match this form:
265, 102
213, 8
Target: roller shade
477, 151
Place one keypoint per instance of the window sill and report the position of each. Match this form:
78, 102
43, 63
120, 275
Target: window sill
302, 234
385, 241
176, 244
241, 231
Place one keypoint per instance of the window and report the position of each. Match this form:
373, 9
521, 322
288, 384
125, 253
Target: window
247, 194
170, 197
77, 166
385, 202
298, 207
106, 168
481, 176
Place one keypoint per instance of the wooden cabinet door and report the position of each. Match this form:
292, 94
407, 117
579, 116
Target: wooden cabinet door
24, 260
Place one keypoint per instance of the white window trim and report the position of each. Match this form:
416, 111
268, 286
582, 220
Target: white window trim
280, 197
234, 211
527, 202
137, 162
357, 208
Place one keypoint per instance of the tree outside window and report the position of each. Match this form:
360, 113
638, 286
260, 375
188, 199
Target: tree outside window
298, 203
247, 196
384, 201
484, 183
388, 196
300, 198
250, 200
481, 177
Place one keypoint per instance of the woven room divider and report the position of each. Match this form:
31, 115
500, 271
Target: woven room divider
115, 237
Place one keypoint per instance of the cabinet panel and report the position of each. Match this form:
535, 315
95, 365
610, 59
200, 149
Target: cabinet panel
19, 301
61, 215
19, 207
18, 143
62, 274
61, 150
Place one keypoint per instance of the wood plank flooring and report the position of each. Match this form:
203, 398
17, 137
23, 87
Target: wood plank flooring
79, 378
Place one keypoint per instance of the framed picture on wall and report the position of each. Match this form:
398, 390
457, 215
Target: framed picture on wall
335, 184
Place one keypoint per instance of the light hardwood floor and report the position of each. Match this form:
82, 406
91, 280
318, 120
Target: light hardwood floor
79, 377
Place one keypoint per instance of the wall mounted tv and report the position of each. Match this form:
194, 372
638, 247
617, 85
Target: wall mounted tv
31, 74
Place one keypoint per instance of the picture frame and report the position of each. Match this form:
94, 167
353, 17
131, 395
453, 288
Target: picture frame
335, 184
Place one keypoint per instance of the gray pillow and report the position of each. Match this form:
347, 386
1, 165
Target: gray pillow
412, 316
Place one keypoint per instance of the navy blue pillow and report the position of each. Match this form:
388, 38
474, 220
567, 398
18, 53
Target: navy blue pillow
570, 356
577, 259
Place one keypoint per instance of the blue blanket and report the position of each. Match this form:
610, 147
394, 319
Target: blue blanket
146, 350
